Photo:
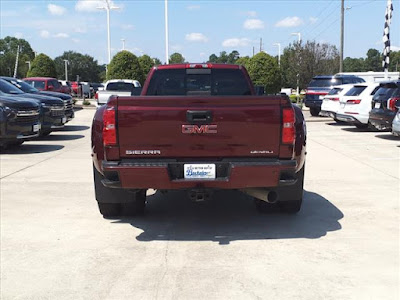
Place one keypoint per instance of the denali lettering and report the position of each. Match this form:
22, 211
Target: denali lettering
143, 152
196, 129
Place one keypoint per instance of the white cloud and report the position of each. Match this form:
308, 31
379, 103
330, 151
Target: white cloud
91, 5
76, 41
44, 34
176, 47
82, 29
19, 35
196, 37
61, 35
236, 42
251, 13
290, 22
395, 48
313, 20
127, 27
193, 7
253, 24
56, 10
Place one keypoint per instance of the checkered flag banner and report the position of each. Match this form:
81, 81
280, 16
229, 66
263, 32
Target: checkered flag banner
386, 35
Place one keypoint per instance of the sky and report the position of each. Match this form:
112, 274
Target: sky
196, 28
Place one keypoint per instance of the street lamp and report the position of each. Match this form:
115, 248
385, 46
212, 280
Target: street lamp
298, 34
166, 32
66, 69
123, 44
279, 52
108, 6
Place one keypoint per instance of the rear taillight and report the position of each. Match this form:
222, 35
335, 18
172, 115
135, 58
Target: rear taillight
335, 99
96, 96
288, 132
109, 127
391, 104
353, 101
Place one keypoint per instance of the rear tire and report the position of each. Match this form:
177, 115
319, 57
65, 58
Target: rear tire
314, 111
291, 197
117, 202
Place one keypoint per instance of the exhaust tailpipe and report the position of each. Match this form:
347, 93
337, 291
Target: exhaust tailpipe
262, 194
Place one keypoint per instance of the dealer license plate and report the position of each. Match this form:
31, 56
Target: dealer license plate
377, 105
199, 171
36, 127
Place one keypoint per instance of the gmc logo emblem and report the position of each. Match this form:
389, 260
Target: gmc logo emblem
199, 129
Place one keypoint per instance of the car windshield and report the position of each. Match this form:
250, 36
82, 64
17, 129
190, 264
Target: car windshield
335, 91
8, 88
37, 84
320, 82
23, 86
355, 91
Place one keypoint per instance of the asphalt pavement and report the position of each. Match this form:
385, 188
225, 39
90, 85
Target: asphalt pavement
344, 244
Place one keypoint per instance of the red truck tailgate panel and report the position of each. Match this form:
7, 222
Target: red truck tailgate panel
247, 126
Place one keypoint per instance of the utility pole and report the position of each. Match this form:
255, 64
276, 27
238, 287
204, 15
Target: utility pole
341, 37
253, 50
166, 33
66, 69
16, 62
279, 52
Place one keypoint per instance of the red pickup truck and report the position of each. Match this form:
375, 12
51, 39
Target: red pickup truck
198, 127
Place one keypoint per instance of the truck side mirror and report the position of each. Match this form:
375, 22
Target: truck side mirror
260, 90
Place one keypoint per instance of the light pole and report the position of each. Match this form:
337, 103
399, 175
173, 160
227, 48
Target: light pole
123, 44
298, 34
166, 33
108, 7
66, 69
279, 52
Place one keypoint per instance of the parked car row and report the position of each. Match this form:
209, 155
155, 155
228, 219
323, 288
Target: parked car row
118, 87
26, 112
374, 105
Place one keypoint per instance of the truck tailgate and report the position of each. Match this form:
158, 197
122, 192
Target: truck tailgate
176, 127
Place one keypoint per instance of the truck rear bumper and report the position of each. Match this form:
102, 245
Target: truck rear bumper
168, 174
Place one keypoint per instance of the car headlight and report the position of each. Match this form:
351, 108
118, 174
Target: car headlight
8, 112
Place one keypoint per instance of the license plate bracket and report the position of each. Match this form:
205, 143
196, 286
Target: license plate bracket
36, 127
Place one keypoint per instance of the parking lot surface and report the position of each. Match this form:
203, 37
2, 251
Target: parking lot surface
344, 244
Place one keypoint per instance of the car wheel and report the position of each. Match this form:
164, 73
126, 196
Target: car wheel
109, 209
291, 197
314, 111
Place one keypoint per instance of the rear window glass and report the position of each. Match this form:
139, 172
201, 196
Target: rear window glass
324, 82
37, 84
120, 86
386, 92
335, 91
180, 82
374, 90
355, 91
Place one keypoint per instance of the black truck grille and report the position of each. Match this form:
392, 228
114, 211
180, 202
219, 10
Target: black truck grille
57, 113
68, 106
34, 119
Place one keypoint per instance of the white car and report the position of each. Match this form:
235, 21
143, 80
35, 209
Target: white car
355, 105
331, 102
117, 87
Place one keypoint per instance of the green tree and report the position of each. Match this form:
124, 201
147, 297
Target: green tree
146, 63
244, 61
373, 62
8, 55
157, 61
394, 64
42, 66
213, 58
233, 57
176, 58
353, 64
125, 65
264, 70
83, 65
